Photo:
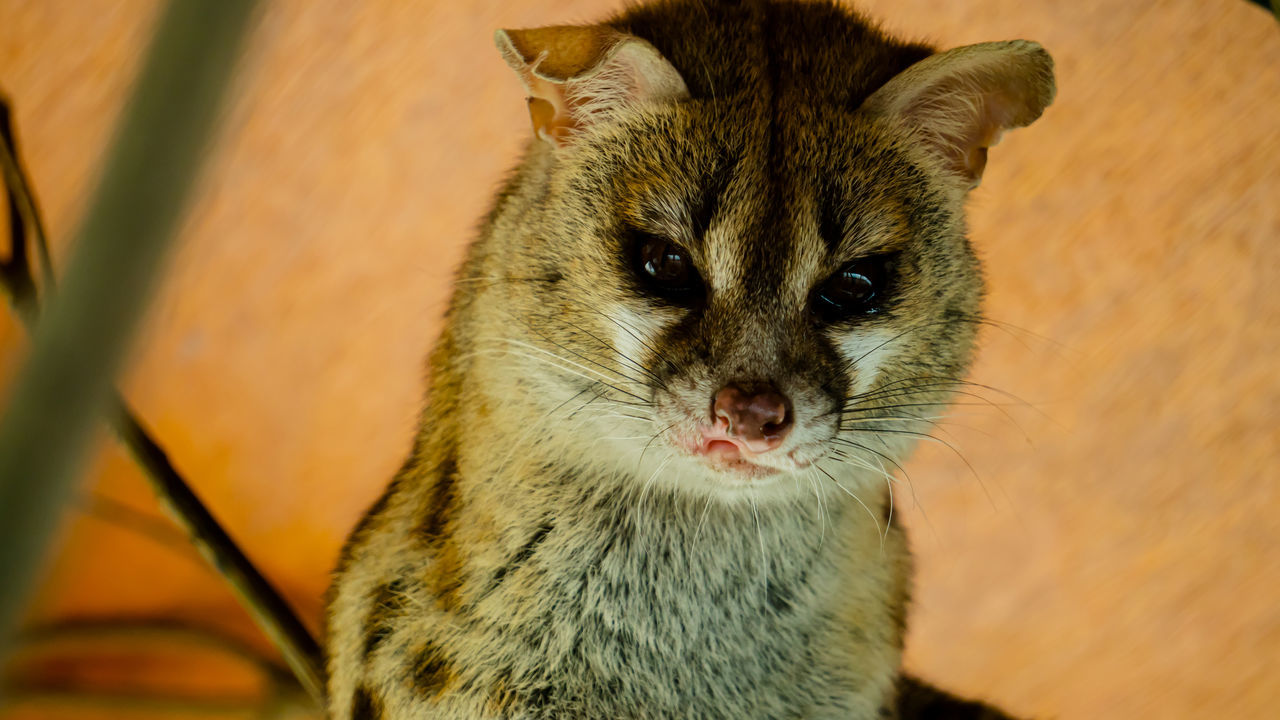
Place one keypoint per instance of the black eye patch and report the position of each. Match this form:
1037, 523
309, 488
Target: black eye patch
859, 288
665, 270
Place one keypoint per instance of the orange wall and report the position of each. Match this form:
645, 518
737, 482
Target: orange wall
1117, 554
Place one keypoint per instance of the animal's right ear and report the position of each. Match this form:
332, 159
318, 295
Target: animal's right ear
579, 75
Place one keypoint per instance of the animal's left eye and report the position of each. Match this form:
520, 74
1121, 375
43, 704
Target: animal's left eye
858, 288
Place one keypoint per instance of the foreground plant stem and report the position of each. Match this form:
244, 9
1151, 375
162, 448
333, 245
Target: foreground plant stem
259, 597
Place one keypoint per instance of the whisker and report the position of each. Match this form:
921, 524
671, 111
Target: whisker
626, 360
862, 464
599, 376
925, 436
899, 336
583, 406
919, 435
536, 331
520, 442
883, 534
949, 319
584, 358
911, 391
647, 483
879, 456
1009, 328
823, 514
705, 509
503, 351
629, 330
651, 441
764, 557
495, 279
595, 382
888, 484
943, 381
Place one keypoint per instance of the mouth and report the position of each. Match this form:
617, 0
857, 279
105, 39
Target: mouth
730, 457
739, 458
734, 459
727, 455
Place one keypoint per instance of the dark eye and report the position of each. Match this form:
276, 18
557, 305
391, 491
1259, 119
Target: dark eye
666, 270
858, 288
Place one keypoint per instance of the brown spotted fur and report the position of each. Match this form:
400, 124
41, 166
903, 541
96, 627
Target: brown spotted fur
546, 551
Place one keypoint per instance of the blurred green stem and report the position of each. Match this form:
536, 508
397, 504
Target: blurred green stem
84, 333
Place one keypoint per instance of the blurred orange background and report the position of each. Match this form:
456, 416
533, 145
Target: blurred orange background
1109, 545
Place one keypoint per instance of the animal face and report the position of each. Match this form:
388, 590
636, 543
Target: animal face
750, 306
734, 293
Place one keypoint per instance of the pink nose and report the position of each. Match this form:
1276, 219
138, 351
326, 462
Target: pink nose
756, 416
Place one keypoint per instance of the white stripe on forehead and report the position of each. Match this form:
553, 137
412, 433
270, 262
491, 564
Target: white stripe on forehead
723, 256
807, 261
727, 252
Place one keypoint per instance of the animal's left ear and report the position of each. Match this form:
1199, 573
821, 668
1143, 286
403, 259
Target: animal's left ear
576, 75
958, 102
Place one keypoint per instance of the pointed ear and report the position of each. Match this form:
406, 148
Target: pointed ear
959, 102
578, 75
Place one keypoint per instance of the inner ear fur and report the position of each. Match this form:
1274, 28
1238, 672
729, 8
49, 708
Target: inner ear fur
959, 102
577, 75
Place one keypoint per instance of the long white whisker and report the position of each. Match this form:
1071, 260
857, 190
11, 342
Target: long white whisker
822, 510
861, 463
764, 557
594, 379
529, 431
558, 366
563, 359
648, 483
888, 483
705, 509
882, 532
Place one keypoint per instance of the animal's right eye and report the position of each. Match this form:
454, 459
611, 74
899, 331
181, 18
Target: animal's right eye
665, 269
858, 288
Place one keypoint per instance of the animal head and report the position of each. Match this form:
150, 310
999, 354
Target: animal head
741, 259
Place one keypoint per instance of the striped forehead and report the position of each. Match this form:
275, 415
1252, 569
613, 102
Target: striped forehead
764, 214
763, 245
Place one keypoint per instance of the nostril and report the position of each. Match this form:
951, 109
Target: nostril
754, 412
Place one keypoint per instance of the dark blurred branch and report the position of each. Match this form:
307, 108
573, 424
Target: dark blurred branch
263, 602
113, 631
160, 530
15, 271
82, 338
70, 643
61, 696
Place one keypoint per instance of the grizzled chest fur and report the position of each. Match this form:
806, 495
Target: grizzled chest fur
630, 607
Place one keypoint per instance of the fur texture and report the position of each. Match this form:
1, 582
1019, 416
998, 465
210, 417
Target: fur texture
553, 547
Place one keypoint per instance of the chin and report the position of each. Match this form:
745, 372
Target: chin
730, 481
